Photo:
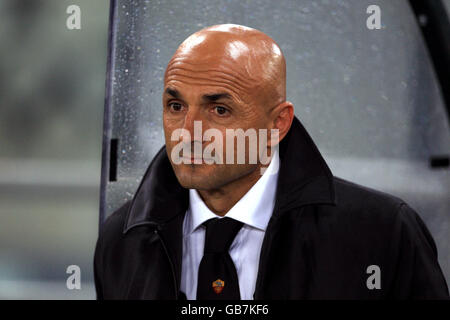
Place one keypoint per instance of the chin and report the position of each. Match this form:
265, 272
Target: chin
198, 183
195, 177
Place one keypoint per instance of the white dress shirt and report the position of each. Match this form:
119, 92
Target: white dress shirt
254, 209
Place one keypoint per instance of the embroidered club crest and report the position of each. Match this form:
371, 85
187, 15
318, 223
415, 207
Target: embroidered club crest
218, 285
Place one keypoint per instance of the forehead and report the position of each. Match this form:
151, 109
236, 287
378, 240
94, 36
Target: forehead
193, 77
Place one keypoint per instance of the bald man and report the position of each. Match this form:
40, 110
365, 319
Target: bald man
240, 204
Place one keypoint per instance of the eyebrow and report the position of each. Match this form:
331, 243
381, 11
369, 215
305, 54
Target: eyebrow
217, 96
174, 93
211, 97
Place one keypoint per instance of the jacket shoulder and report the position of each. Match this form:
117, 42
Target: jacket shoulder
350, 192
367, 227
367, 213
109, 237
361, 202
113, 225
111, 232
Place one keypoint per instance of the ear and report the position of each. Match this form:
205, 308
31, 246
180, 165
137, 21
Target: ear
283, 116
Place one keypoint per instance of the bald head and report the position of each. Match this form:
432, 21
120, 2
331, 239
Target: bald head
251, 61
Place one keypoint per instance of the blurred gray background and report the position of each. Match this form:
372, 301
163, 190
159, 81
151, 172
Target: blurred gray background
52, 88
369, 99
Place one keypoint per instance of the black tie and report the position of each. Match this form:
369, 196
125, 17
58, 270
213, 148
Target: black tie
217, 276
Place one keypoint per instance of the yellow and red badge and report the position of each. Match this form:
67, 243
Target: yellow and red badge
218, 285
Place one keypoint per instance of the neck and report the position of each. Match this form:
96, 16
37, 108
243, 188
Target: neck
222, 199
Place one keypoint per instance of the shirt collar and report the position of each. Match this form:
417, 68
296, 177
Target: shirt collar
254, 208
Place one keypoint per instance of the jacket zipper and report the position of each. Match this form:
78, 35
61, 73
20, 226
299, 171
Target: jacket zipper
175, 285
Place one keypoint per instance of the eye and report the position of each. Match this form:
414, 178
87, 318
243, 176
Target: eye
175, 106
220, 110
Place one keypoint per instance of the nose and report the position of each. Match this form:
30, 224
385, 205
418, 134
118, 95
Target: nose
193, 124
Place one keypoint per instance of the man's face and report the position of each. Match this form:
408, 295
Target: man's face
214, 91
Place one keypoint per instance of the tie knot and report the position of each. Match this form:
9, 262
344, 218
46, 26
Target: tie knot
220, 233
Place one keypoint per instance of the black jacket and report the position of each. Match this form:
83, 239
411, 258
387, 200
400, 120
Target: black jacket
323, 235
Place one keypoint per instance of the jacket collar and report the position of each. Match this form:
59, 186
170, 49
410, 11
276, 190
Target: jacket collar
304, 178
